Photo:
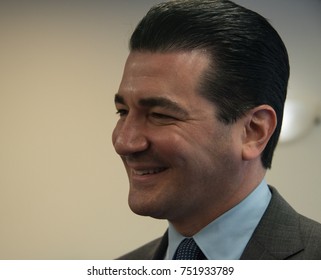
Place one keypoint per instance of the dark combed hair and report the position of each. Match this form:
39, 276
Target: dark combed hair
249, 62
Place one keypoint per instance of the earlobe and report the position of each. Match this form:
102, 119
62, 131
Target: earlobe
258, 129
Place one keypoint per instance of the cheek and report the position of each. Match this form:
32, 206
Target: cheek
170, 142
210, 151
182, 150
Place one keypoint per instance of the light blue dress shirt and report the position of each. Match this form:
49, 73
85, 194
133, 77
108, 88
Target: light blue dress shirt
227, 236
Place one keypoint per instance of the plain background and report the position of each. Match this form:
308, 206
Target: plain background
63, 190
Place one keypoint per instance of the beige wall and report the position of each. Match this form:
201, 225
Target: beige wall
63, 190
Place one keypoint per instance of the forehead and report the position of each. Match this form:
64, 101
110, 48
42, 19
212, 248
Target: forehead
174, 73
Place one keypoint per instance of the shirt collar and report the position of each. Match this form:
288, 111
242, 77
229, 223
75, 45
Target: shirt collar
225, 238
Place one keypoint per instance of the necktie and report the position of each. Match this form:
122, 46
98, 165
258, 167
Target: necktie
188, 250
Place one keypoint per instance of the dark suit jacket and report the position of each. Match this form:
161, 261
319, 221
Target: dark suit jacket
281, 234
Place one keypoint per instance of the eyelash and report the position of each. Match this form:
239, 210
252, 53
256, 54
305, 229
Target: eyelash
124, 112
161, 116
121, 112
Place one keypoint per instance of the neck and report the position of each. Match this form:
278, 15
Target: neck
192, 223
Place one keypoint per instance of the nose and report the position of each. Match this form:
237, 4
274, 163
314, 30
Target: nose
129, 138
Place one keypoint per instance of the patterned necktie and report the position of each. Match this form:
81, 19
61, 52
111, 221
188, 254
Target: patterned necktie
188, 250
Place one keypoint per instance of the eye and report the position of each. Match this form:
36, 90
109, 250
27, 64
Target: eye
162, 119
122, 112
161, 116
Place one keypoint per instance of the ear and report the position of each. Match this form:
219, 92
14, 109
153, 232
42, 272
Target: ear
259, 126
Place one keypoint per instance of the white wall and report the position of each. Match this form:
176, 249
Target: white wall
63, 189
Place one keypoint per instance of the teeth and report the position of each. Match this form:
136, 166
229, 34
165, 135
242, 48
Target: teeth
148, 171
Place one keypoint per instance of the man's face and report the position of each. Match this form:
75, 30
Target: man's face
180, 160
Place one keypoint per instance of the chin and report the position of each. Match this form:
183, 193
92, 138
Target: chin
146, 209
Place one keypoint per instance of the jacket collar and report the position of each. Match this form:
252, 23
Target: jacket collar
278, 234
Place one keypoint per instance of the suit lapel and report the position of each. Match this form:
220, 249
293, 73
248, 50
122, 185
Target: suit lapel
278, 234
161, 248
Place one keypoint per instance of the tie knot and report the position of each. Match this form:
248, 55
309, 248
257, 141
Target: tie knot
188, 250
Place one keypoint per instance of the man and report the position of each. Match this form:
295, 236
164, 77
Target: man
201, 105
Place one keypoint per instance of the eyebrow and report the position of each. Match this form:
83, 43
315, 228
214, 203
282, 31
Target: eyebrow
152, 102
119, 99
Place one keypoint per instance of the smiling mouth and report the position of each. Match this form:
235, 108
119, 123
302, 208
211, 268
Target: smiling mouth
149, 171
